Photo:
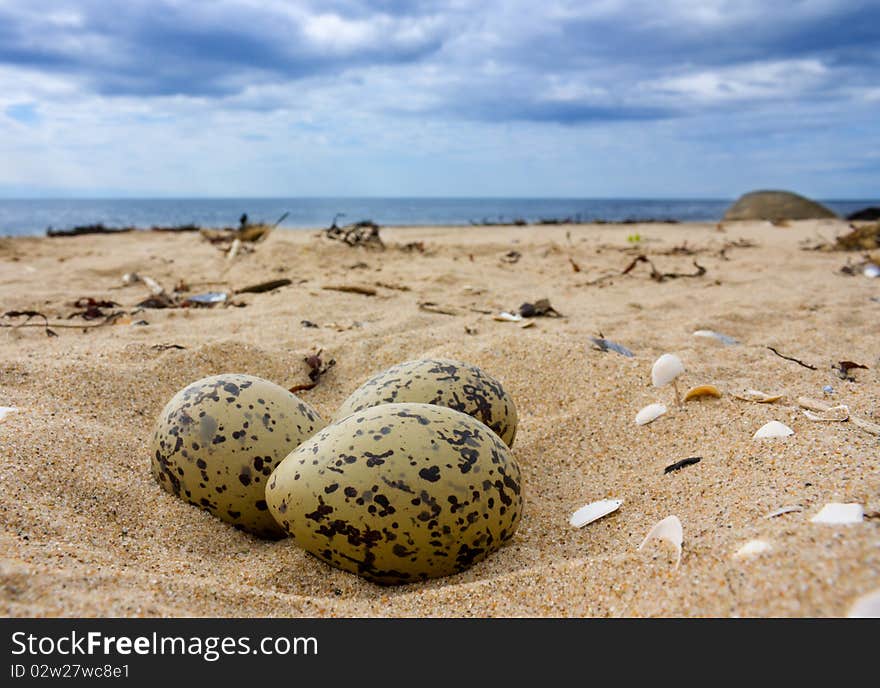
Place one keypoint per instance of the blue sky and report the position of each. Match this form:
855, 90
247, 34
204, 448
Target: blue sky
683, 98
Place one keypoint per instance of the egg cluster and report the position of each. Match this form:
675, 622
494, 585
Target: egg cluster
413, 479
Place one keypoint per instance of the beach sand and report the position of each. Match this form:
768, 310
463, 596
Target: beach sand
86, 531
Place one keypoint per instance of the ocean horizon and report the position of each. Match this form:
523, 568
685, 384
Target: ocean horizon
33, 216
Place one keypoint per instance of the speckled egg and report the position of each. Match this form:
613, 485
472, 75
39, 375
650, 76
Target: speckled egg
460, 386
399, 493
218, 441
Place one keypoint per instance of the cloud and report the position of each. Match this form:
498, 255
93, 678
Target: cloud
157, 48
219, 84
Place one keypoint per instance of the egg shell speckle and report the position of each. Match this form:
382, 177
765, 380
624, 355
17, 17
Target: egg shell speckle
399, 493
442, 382
219, 439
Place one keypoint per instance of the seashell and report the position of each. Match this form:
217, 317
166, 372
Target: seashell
527, 324
607, 345
871, 270
835, 513
668, 529
866, 607
5, 411
666, 369
594, 511
773, 429
784, 510
649, 413
711, 334
702, 391
836, 414
758, 396
752, 548
504, 316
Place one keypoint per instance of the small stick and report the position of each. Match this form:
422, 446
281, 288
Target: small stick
677, 395
816, 405
794, 360
351, 289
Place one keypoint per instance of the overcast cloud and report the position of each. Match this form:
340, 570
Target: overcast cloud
683, 98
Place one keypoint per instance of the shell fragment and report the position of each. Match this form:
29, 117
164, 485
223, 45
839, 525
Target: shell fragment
666, 369
784, 510
773, 429
6, 410
752, 548
594, 511
835, 513
835, 414
866, 607
649, 413
702, 391
758, 396
711, 334
504, 316
670, 530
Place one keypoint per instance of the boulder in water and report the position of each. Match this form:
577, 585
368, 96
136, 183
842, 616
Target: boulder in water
871, 214
775, 206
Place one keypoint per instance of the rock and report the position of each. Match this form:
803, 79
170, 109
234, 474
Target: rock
870, 214
775, 206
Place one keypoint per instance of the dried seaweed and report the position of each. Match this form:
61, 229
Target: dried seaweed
843, 367
317, 369
413, 247
658, 276
108, 320
859, 239
364, 233
540, 309
794, 360
158, 301
574, 266
91, 308
97, 228
28, 315
166, 347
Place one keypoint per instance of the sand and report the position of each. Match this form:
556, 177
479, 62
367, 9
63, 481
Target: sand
87, 532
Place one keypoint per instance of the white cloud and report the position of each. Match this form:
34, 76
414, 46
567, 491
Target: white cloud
784, 79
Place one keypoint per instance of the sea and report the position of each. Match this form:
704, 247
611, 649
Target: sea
34, 216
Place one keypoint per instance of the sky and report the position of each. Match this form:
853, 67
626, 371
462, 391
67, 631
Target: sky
509, 98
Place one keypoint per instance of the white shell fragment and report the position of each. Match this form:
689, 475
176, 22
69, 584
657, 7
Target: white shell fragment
711, 334
504, 316
666, 369
752, 548
758, 396
773, 429
835, 414
6, 410
835, 513
594, 511
871, 270
649, 413
866, 607
784, 510
668, 529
